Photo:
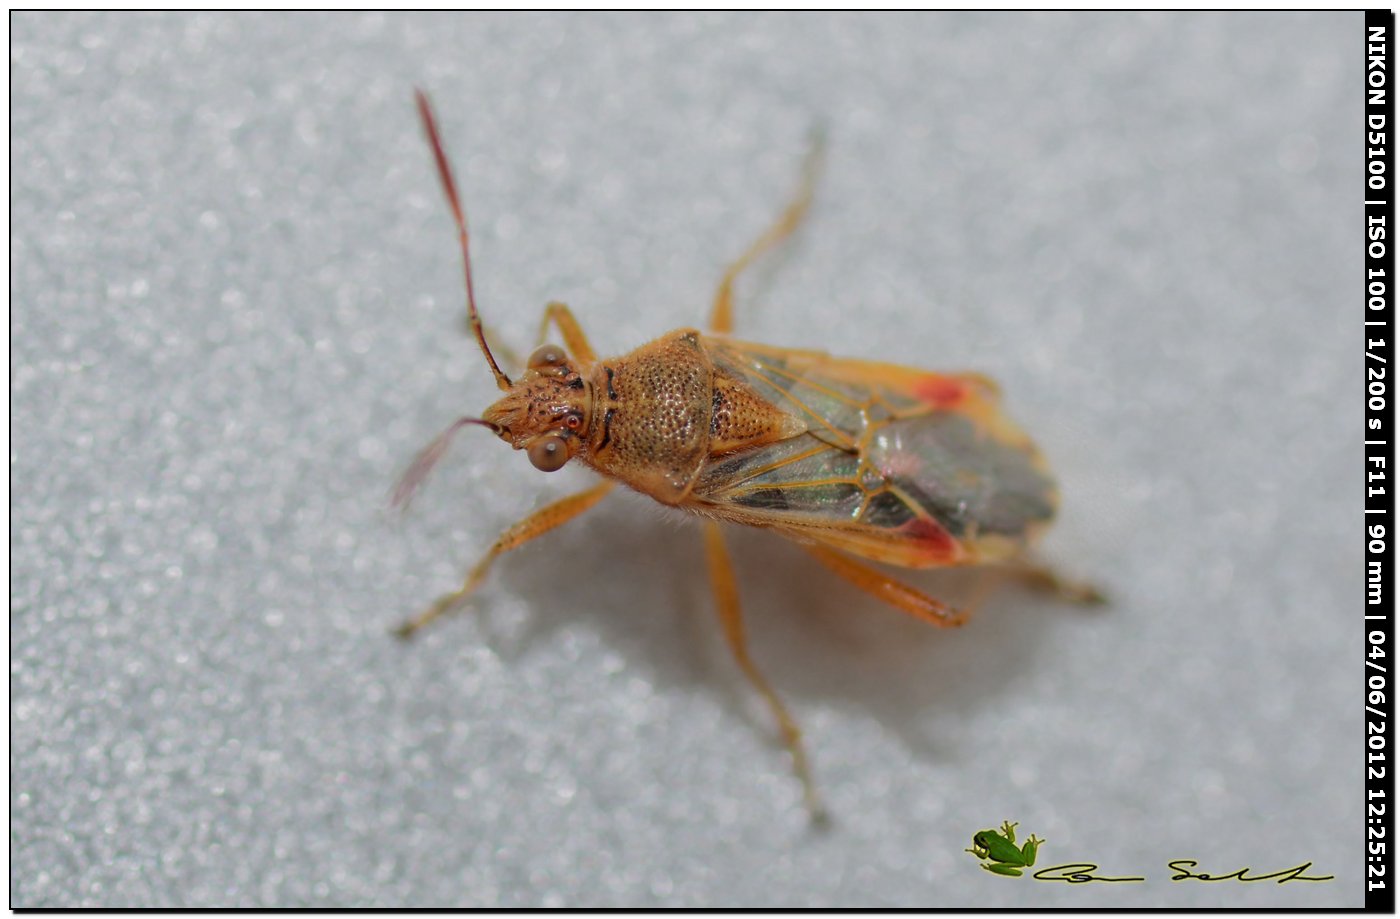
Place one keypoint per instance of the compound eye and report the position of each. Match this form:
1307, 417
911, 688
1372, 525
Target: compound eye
548, 359
548, 453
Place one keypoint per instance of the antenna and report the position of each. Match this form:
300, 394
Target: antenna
449, 188
428, 458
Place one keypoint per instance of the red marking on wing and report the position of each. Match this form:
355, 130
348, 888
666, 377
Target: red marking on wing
936, 544
941, 392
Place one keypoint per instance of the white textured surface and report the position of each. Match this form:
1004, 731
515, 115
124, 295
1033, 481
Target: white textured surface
237, 314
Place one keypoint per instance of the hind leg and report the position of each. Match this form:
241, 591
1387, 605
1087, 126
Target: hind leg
1044, 578
888, 589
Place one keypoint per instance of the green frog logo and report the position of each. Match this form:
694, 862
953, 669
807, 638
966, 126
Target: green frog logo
999, 853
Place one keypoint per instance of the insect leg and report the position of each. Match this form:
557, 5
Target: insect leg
574, 340
883, 587
727, 603
722, 313
1042, 578
537, 524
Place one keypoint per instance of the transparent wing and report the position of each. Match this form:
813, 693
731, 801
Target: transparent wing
913, 468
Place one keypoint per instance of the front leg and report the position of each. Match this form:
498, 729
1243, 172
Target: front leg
575, 342
537, 524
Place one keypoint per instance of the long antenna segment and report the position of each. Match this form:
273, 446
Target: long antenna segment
449, 187
428, 458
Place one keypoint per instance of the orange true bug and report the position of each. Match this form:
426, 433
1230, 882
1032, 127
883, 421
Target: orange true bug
850, 459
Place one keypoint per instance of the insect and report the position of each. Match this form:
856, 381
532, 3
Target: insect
853, 460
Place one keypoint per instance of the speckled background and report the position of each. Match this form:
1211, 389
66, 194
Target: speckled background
237, 313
